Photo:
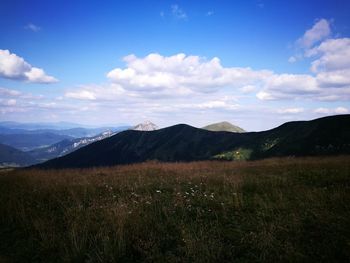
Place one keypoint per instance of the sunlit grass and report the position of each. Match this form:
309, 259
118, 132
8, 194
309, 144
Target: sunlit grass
275, 210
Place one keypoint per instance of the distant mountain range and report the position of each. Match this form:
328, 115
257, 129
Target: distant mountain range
35, 146
76, 132
324, 136
64, 147
51, 125
27, 142
223, 126
10, 156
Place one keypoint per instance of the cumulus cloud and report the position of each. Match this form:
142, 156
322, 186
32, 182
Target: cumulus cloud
333, 55
329, 77
16, 68
287, 86
182, 74
332, 64
320, 31
32, 27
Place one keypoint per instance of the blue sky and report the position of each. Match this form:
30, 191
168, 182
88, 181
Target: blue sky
255, 63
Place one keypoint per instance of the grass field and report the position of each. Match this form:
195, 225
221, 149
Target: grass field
275, 210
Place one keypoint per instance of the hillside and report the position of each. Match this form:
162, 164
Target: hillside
65, 147
325, 136
10, 156
223, 126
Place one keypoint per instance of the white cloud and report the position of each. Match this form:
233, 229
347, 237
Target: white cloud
288, 86
341, 110
320, 31
181, 74
329, 79
333, 55
81, 95
216, 104
322, 110
328, 111
16, 68
248, 89
178, 13
332, 65
32, 27
10, 102
290, 110
264, 95
9, 92
96, 92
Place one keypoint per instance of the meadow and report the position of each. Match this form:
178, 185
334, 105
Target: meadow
273, 210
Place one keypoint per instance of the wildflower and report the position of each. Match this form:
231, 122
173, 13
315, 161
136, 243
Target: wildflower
158, 191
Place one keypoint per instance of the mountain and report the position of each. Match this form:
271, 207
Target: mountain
39, 125
145, 126
65, 147
324, 136
77, 132
26, 142
10, 156
223, 126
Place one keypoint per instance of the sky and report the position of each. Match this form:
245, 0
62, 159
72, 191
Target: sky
254, 63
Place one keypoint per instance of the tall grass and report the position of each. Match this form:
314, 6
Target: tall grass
275, 210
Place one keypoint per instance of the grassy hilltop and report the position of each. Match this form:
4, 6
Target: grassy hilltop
274, 210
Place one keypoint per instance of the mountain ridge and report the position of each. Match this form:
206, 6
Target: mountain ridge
181, 142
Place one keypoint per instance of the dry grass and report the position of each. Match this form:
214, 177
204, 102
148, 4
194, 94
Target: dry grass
275, 210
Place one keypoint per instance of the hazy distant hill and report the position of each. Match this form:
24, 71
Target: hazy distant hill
223, 126
76, 132
325, 136
65, 147
10, 156
26, 142
40, 125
